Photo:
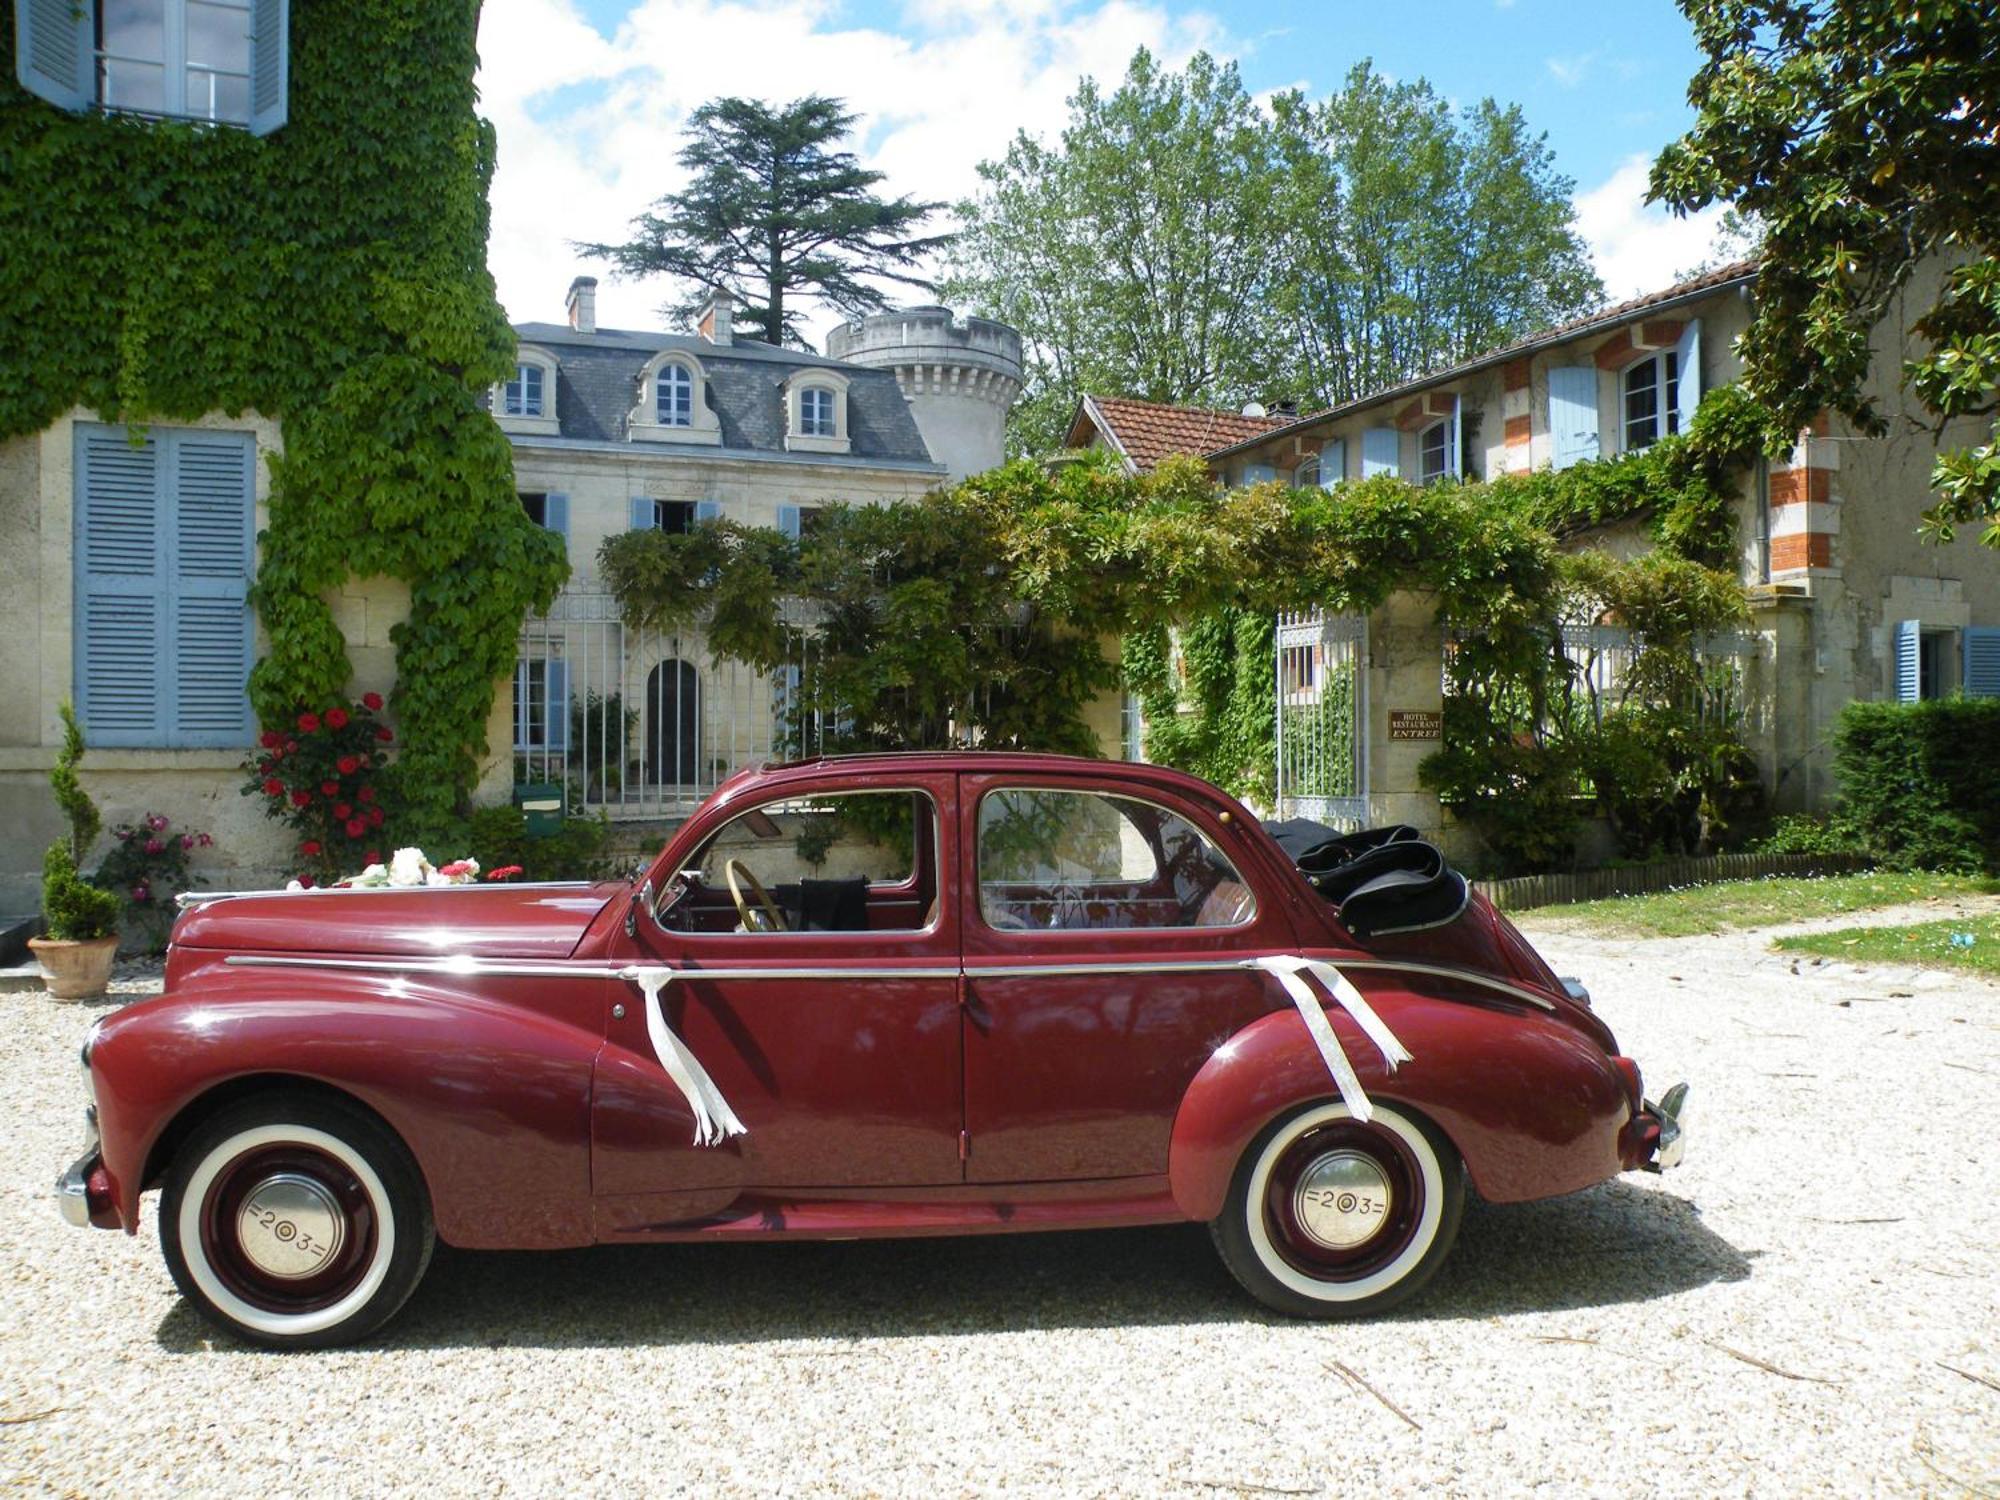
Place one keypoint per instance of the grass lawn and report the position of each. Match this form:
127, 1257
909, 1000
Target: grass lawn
1925, 943
1695, 910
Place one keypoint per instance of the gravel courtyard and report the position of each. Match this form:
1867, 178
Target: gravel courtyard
1778, 1317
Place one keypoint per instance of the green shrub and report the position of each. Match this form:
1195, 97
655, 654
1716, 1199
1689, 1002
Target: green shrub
1920, 782
1806, 833
73, 910
499, 837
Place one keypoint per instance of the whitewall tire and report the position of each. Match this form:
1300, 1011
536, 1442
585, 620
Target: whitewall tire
1331, 1218
295, 1222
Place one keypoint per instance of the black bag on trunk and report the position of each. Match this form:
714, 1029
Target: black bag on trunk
1382, 880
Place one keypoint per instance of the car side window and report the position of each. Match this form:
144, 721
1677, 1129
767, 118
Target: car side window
1066, 860
847, 862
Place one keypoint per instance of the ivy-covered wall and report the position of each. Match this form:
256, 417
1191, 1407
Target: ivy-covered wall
330, 276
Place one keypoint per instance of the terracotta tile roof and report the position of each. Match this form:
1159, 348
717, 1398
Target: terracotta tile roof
1694, 286
1148, 431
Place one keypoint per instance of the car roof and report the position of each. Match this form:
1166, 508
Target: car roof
981, 762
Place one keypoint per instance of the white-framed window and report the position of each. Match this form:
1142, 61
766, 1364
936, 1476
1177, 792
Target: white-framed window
220, 61
547, 510
1434, 451
1650, 392
541, 704
673, 395
671, 405
523, 395
816, 412
1306, 475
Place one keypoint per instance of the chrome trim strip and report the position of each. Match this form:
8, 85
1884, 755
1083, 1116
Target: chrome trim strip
201, 898
472, 968
1065, 971
460, 967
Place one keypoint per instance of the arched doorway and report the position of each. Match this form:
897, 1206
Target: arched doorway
673, 724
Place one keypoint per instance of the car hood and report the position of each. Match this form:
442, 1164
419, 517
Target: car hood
543, 922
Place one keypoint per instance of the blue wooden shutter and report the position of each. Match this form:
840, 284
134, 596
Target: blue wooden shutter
1982, 662
788, 520
1573, 413
212, 482
1259, 473
555, 514
645, 514
1909, 649
1454, 439
121, 595
54, 55
1332, 463
707, 510
558, 704
523, 693
270, 65
1381, 452
1687, 366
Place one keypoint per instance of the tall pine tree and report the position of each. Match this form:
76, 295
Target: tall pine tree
776, 217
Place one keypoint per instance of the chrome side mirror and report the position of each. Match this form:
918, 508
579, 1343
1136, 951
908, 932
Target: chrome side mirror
641, 897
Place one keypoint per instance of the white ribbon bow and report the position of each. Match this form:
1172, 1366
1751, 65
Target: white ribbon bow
1288, 968
714, 1120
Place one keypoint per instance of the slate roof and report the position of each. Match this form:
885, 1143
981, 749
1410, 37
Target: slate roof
1148, 431
597, 385
1737, 272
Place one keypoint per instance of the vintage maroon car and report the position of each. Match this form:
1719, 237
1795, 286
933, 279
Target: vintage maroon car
887, 995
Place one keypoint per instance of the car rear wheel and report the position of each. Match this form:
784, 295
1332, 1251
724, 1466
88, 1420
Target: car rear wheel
296, 1223
1331, 1218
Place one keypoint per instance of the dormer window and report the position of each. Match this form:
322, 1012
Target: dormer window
525, 402
673, 406
220, 61
675, 392
816, 412
522, 396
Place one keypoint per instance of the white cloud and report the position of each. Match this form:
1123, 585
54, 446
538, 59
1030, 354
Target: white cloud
1572, 69
589, 126
1639, 246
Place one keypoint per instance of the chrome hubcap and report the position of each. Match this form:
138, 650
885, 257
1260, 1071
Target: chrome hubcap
1342, 1200
290, 1226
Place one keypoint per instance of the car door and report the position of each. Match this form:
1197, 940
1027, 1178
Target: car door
838, 1048
1104, 931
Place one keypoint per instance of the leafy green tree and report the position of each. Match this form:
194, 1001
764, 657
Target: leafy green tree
1414, 235
1132, 253
1863, 135
772, 215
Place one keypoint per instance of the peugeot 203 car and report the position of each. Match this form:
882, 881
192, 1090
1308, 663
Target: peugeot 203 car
891, 995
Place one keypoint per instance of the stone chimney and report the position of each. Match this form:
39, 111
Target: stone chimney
583, 304
718, 319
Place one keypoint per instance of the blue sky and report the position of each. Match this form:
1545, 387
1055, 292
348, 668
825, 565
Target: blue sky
588, 96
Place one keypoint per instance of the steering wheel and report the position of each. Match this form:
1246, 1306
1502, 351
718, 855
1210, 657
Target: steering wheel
768, 917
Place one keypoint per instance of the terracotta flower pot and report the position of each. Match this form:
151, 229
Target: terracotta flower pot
75, 971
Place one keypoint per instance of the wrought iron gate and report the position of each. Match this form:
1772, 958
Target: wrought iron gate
1323, 717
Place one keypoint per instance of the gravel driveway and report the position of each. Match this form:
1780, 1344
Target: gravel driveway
1774, 1318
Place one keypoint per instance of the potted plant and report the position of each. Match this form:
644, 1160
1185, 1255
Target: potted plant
80, 921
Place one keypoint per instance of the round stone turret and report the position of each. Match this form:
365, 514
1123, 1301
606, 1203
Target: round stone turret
960, 378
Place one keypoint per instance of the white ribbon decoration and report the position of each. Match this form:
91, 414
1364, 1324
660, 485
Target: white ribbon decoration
1288, 969
714, 1120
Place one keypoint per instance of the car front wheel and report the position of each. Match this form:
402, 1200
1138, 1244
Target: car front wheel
1331, 1218
296, 1223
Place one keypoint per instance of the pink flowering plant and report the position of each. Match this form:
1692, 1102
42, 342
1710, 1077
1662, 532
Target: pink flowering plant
147, 867
323, 773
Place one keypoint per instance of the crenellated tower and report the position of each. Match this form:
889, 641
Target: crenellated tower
960, 377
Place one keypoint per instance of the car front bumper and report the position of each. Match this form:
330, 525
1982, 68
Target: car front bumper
1656, 1138
83, 1193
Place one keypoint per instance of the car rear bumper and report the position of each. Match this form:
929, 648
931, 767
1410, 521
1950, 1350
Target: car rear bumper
1656, 1138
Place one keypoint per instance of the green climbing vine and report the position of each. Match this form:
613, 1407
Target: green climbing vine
331, 276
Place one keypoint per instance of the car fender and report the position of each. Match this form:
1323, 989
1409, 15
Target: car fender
492, 1099
1533, 1106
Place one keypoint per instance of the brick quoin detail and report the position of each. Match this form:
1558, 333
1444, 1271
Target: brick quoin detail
1801, 550
1514, 374
1792, 486
1519, 430
1634, 343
